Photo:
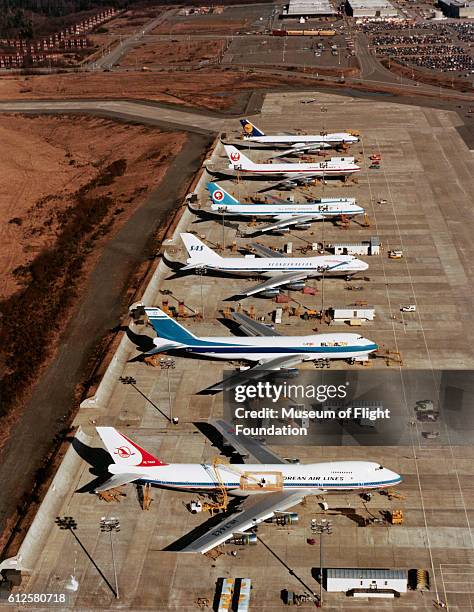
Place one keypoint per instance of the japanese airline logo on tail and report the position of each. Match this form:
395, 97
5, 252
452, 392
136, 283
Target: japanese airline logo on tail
235, 156
123, 452
217, 195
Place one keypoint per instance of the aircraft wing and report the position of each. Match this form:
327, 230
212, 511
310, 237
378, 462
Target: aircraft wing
288, 221
301, 148
255, 510
274, 282
248, 448
258, 371
264, 251
250, 327
117, 480
289, 180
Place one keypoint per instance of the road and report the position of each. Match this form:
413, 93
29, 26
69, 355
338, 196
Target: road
109, 59
123, 109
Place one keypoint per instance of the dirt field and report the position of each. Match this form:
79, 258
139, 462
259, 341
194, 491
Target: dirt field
181, 52
202, 25
130, 21
68, 185
193, 88
35, 190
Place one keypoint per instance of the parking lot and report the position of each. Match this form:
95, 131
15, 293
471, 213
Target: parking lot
438, 47
306, 51
426, 179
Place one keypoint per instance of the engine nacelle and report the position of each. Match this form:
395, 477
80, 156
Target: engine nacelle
296, 286
284, 518
270, 292
243, 539
281, 230
302, 226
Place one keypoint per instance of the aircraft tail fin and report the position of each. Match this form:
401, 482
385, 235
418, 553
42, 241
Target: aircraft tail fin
199, 253
169, 329
236, 157
219, 196
249, 129
124, 452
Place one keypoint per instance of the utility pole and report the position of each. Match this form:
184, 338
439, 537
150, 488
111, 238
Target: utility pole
321, 527
111, 525
169, 364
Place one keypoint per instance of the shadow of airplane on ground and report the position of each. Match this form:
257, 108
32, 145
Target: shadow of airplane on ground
99, 460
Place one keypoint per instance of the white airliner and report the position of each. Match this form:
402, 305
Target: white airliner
289, 271
293, 172
296, 143
263, 346
269, 489
284, 213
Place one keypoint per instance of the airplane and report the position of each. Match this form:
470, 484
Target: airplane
285, 214
290, 173
263, 345
279, 271
297, 143
268, 489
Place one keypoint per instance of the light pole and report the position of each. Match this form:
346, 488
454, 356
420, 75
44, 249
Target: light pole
200, 272
111, 525
321, 527
169, 364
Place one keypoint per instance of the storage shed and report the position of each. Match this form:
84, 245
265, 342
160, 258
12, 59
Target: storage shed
346, 579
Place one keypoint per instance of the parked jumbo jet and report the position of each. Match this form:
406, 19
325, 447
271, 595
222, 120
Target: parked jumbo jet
297, 143
265, 346
270, 489
290, 173
289, 271
285, 214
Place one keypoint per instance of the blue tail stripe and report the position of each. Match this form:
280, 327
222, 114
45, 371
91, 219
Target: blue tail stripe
226, 199
170, 330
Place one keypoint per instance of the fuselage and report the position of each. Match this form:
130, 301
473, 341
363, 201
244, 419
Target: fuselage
324, 210
295, 139
312, 347
251, 479
334, 167
329, 265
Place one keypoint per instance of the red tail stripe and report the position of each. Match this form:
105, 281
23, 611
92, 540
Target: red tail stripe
147, 458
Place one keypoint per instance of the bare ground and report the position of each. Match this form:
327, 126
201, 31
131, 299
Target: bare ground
164, 53
49, 159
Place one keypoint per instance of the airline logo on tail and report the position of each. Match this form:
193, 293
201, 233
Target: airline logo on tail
236, 156
250, 129
219, 195
124, 451
197, 250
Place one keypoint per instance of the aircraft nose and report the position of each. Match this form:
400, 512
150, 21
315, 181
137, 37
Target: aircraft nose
372, 345
361, 265
393, 477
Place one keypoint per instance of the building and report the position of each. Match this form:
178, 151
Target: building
457, 8
377, 581
352, 312
370, 8
368, 247
308, 8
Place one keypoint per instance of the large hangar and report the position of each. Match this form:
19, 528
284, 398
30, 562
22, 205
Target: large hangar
309, 8
370, 8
